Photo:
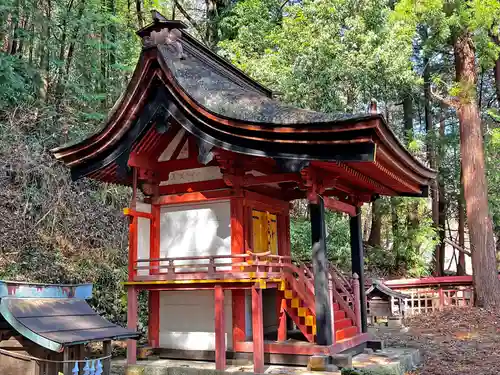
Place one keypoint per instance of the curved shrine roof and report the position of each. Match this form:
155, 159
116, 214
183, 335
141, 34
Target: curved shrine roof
178, 80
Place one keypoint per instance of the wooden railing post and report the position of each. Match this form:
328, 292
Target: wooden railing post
357, 300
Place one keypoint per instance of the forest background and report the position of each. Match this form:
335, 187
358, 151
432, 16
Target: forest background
427, 63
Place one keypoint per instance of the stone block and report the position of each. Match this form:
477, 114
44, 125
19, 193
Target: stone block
155, 370
394, 322
342, 360
331, 368
375, 344
134, 370
144, 352
318, 363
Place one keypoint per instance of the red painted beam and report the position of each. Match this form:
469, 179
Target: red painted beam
263, 202
134, 213
194, 197
220, 333
428, 281
257, 331
336, 205
270, 179
191, 187
132, 308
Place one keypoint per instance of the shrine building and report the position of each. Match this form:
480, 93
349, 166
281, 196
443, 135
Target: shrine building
214, 162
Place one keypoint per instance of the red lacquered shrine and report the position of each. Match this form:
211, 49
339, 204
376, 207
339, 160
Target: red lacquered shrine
218, 161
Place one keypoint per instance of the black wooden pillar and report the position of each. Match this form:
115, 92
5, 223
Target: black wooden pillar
319, 261
358, 262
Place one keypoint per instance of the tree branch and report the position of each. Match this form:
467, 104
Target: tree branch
190, 19
450, 102
458, 247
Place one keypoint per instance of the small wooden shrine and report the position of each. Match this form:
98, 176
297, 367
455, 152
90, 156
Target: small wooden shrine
218, 162
44, 330
384, 303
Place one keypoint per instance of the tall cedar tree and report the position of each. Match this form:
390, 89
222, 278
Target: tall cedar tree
485, 277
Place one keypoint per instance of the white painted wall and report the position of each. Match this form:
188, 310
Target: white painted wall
187, 320
143, 236
195, 230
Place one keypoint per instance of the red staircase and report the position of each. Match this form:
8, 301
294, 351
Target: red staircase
299, 303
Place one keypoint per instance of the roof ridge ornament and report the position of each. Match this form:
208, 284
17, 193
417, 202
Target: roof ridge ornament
162, 32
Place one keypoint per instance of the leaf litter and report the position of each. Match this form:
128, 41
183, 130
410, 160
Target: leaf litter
453, 341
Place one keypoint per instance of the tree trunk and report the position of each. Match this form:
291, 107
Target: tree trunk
439, 204
461, 267
408, 118
138, 7
496, 69
211, 34
431, 158
395, 233
44, 53
375, 238
60, 77
485, 278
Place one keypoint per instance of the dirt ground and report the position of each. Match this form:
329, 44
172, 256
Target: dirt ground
454, 341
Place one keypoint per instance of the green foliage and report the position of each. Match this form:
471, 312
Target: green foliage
337, 240
323, 55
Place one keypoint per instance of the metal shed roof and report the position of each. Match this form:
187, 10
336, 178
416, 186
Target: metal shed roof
55, 323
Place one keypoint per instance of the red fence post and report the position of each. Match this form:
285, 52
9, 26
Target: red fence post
441, 299
357, 300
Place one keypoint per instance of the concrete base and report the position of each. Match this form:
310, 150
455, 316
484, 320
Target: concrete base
390, 361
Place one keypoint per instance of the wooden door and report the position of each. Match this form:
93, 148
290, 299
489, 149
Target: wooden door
264, 229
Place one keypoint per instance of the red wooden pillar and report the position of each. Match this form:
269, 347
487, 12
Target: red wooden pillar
132, 247
154, 238
282, 326
238, 314
283, 249
132, 230
238, 228
220, 330
257, 331
154, 319
132, 309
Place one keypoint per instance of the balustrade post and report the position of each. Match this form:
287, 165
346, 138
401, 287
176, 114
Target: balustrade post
211, 266
357, 300
171, 268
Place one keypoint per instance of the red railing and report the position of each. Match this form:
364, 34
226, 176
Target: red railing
348, 301
434, 293
216, 267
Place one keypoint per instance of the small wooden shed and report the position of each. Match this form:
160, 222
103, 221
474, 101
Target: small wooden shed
384, 303
44, 330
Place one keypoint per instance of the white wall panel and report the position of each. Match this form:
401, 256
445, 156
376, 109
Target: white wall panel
143, 236
187, 320
195, 230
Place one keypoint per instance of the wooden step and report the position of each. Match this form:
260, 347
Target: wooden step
336, 306
339, 315
342, 323
345, 333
